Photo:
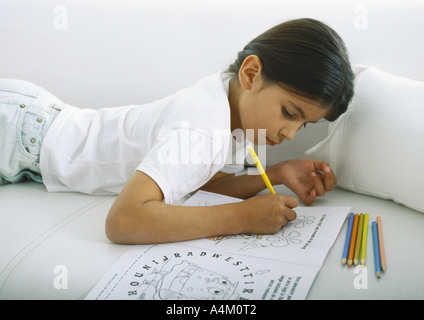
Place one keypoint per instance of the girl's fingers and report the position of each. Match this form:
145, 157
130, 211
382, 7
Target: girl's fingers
318, 184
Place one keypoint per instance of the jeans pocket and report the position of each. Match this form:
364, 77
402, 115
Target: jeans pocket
31, 134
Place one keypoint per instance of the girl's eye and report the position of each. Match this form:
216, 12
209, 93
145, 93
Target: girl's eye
287, 113
303, 125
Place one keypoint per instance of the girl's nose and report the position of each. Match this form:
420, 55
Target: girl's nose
288, 133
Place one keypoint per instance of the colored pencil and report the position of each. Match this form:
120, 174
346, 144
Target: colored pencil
381, 244
348, 236
364, 240
358, 239
261, 169
353, 240
376, 250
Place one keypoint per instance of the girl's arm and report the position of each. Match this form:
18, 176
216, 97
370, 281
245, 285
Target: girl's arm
306, 177
242, 186
138, 216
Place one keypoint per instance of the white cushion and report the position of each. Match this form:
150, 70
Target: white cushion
377, 147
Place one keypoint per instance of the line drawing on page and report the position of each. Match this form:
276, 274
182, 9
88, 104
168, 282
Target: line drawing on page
287, 236
186, 280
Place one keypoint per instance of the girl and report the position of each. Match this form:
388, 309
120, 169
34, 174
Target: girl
152, 155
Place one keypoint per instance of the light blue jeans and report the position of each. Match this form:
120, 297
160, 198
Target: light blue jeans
26, 113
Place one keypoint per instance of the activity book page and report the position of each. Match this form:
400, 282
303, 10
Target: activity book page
281, 266
306, 240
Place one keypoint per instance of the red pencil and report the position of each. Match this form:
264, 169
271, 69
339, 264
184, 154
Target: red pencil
353, 240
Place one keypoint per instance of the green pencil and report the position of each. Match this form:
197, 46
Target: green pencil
364, 240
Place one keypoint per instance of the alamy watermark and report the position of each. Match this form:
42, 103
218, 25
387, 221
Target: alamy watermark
60, 20
188, 145
360, 21
60, 281
361, 280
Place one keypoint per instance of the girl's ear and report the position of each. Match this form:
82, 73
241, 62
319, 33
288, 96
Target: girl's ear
250, 72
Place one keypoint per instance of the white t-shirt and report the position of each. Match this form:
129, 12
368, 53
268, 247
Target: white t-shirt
180, 141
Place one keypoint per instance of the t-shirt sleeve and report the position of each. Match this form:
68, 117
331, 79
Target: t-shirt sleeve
182, 161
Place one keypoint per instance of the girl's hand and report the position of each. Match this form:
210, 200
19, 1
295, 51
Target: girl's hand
266, 214
306, 177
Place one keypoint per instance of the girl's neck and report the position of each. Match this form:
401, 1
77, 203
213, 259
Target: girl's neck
233, 98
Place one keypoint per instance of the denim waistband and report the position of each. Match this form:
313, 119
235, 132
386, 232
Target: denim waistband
26, 113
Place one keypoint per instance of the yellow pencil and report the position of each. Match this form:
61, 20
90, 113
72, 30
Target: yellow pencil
364, 240
358, 239
261, 169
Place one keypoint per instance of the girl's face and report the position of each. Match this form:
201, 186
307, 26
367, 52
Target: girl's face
278, 111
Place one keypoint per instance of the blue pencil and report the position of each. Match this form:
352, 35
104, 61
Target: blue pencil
376, 250
348, 237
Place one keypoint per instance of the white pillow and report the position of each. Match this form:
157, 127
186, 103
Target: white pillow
377, 147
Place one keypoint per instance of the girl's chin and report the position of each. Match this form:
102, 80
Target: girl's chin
269, 142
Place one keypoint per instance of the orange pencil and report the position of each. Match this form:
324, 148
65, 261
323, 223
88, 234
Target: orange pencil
381, 245
353, 240
358, 239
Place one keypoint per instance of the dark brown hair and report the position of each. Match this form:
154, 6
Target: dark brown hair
306, 57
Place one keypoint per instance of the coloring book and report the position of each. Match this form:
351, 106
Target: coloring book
281, 266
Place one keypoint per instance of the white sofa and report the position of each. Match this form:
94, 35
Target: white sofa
107, 53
